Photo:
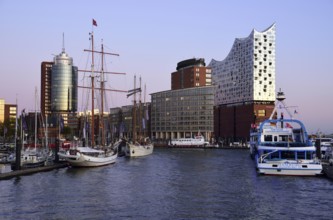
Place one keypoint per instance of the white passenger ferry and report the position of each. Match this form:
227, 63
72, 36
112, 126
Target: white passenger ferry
197, 141
282, 146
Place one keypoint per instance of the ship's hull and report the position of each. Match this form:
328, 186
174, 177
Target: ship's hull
290, 169
81, 160
138, 150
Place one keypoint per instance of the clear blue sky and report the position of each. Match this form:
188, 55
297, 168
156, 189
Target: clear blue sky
152, 36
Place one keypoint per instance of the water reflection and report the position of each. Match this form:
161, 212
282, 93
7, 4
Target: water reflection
169, 184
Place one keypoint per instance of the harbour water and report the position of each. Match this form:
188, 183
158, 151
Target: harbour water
169, 184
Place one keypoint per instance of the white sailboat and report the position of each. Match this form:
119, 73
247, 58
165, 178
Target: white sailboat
79, 156
140, 146
32, 157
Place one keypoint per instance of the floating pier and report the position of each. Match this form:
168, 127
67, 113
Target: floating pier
29, 171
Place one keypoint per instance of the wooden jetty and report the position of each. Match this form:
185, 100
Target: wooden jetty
32, 170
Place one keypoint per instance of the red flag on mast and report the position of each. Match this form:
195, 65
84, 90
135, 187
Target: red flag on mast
94, 22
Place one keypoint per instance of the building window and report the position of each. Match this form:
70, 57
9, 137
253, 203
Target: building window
262, 113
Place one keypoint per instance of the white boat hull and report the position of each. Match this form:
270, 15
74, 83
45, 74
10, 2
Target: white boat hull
138, 150
290, 169
198, 141
81, 160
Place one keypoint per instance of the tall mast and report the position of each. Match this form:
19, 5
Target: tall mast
130, 93
140, 109
144, 112
102, 97
22, 133
134, 111
93, 71
35, 117
92, 92
16, 124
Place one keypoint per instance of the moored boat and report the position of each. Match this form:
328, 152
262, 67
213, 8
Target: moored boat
139, 149
140, 146
84, 156
282, 146
197, 141
89, 157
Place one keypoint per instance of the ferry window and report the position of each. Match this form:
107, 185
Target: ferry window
290, 138
275, 155
275, 138
301, 155
289, 155
283, 138
297, 138
268, 138
308, 155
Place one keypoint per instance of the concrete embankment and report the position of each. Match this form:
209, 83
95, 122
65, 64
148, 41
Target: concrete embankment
31, 170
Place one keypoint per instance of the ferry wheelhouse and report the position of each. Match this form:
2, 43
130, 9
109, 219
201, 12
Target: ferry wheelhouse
282, 147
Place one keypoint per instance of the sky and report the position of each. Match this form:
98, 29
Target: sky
151, 37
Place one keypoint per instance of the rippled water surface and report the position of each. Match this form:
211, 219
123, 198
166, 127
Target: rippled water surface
169, 184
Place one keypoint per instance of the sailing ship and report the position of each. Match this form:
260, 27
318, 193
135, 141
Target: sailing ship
139, 146
282, 146
85, 156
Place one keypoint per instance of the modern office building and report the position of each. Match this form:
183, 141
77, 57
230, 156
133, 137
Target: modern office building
191, 73
64, 84
46, 74
59, 80
245, 85
182, 113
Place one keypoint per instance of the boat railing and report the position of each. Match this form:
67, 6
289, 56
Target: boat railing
263, 156
284, 144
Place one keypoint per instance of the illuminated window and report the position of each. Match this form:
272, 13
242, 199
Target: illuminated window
262, 113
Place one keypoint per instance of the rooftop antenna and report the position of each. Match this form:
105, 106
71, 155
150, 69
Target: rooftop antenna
63, 42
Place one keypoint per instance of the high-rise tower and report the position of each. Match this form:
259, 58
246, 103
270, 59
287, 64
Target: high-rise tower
64, 84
